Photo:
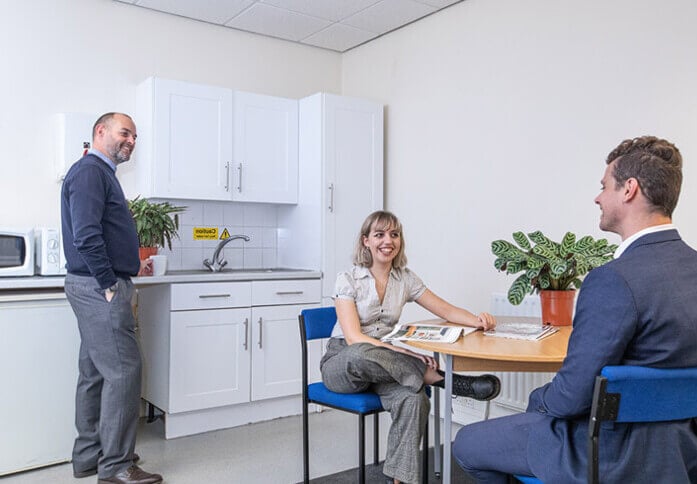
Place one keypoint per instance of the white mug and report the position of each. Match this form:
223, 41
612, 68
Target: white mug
159, 265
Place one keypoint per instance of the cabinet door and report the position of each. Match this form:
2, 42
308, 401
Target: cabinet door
209, 360
353, 188
192, 140
276, 353
265, 167
39, 350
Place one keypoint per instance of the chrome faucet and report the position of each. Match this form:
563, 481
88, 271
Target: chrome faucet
215, 264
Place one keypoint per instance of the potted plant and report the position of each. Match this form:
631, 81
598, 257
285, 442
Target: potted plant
156, 224
552, 269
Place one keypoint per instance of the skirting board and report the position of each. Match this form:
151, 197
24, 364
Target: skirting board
190, 423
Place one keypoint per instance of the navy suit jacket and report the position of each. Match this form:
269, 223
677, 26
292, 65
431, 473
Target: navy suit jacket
639, 309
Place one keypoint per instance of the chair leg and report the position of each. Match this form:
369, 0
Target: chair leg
424, 456
361, 449
376, 440
306, 446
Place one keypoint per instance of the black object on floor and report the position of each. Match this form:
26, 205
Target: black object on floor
374, 475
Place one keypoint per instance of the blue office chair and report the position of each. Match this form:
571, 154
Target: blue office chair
636, 394
315, 324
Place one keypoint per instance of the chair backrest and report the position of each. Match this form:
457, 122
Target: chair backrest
317, 323
652, 394
639, 394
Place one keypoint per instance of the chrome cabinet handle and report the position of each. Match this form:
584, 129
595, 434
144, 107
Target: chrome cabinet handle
239, 185
227, 176
288, 293
246, 333
260, 334
331, 197
207, 296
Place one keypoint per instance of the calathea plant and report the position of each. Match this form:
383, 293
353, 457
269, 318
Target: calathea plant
548, 265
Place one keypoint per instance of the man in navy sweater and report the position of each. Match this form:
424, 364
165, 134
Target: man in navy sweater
101, 249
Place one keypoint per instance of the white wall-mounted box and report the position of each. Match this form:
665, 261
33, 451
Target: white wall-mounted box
72, 135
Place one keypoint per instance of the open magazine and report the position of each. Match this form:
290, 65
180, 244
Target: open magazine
427, 332
526, 331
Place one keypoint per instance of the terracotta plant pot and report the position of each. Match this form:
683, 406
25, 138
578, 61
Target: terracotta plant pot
145, 252
557, 307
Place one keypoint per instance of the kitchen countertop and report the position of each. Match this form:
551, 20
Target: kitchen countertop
172, 277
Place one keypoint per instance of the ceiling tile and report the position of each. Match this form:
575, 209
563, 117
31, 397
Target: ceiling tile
388, 15
214, 11
310, 22
439, 3
333, 10
339, 37
277, 22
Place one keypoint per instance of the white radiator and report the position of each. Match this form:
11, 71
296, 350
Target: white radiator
515, 386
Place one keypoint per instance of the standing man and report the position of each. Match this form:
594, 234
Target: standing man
639, 309
101, 248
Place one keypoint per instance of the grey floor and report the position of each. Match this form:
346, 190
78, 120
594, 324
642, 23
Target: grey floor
267, 452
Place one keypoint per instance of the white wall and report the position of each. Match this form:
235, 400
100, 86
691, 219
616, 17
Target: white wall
500, 114
89, 55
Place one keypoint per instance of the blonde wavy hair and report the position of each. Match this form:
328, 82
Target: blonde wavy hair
380, 220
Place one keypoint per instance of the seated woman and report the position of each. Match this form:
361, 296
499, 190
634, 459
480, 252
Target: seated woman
369, 299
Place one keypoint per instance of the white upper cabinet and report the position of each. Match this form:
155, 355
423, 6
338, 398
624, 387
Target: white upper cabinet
184, 140
211, 143
265, 167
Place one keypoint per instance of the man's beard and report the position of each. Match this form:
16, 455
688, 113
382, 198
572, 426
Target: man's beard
121, 153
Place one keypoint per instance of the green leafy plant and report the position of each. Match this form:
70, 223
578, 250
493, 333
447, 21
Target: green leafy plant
548, 265
156, 223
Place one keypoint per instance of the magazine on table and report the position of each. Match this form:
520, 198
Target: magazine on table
427, 332
525, 331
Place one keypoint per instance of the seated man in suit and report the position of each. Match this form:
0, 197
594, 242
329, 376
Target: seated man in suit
639, 309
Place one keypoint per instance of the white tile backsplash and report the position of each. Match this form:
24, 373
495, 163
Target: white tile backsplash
233, 215
193, 258
257, 220
254, 214
252, 258
186, 237
268, 238
213, 213
234, 257
269, 258
193, 215
255, 237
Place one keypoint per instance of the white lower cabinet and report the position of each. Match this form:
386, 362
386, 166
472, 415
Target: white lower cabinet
276, 357
209, 363
211, 349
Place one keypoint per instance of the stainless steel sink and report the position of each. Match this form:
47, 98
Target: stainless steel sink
196, 272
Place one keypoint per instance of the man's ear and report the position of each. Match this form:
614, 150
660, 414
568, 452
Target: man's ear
631, 189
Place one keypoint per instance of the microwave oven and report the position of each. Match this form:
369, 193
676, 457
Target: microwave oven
48, 258
16, 252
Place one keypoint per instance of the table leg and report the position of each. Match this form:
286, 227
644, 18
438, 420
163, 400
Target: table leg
448, 420
437, 462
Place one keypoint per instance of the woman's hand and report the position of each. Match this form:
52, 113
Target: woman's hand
429, 360
486, 321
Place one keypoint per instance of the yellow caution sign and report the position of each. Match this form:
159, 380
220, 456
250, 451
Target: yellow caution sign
225, 235
206, 233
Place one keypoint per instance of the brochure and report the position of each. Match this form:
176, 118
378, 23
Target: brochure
427, 332
525, 331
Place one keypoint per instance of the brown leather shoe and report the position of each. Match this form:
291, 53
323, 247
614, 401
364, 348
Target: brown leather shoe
93, 471
132, 475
